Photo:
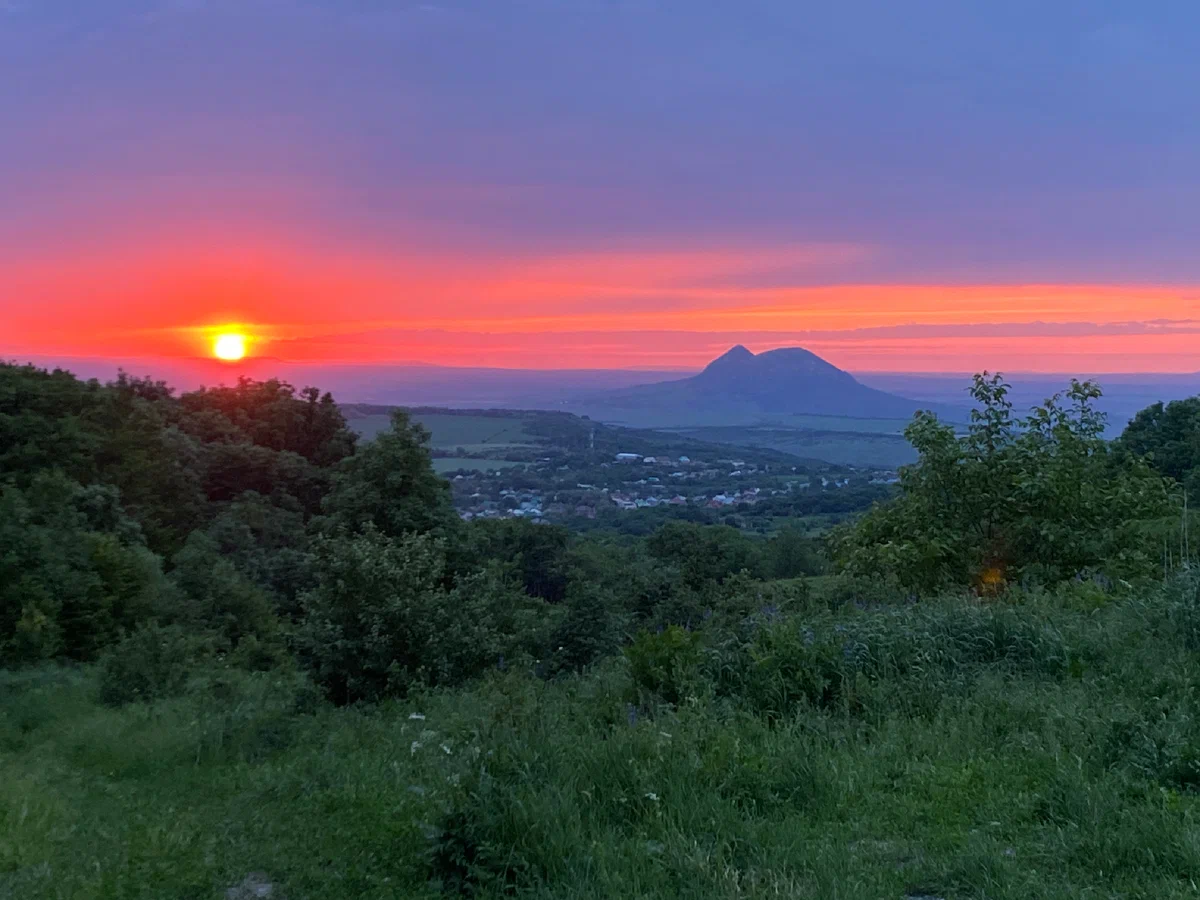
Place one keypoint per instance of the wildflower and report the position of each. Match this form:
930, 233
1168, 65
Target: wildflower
446, 749
653, 797
416, 745
416, 717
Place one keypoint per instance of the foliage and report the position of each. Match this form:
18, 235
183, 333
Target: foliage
74, 572
1168, 437
661, 663
381, 620
390, 485
537, 554
703, 554
590, 629
957, 756
149, 664
1042, 497
255, 614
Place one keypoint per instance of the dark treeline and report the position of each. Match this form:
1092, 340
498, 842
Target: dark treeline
245, 523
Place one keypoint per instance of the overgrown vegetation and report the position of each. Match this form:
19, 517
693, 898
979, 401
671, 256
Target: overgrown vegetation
235, 641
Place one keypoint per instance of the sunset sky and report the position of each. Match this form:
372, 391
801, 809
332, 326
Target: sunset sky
929, 185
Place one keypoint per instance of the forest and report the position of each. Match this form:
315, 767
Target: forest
243, 650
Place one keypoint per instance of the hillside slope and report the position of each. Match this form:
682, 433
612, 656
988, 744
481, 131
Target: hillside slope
741, 386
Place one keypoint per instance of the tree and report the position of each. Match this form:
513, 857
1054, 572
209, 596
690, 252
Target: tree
390, 485
703, 553
537, 554
1042, 496
74, 572
269, 414
791, 553
382, 620
1169, 438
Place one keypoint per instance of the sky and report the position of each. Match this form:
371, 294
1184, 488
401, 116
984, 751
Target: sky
924, 186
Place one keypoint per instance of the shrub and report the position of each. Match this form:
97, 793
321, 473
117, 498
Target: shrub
151, 663
662, 663
381, 619
588, 630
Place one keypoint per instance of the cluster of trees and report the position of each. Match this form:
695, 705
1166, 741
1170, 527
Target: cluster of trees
1037, 498
245, 526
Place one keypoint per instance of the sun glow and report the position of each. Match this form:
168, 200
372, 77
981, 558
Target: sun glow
229, 347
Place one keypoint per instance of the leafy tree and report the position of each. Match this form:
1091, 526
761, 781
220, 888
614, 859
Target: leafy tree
46, 422
381, 619
1169, 438
232, 469
216, 599
791, 553
702, 553
1042, 496
268, 544
390, 485
589, 630
269, 414
74, 572
538, 554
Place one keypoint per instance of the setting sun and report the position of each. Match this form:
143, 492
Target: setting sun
230, 347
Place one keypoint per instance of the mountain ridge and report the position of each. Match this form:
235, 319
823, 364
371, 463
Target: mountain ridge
783, 381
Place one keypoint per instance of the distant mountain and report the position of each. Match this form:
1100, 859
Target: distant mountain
741, 385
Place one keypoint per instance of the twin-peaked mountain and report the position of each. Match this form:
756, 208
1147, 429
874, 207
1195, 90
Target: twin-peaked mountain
740, 384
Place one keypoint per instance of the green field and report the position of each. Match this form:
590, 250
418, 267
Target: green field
443, 464
847, 424
474, 433
877, 449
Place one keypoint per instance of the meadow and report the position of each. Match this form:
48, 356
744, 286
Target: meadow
874, 446
450, 430
1042, 746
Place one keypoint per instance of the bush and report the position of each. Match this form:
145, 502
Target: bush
1182, 607
588, 631
382, 620
152, 663
662, 663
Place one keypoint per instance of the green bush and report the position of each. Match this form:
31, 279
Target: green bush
588, 630
382, 621
662, 663
151, 663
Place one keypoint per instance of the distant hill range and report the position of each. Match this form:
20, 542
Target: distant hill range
742, 386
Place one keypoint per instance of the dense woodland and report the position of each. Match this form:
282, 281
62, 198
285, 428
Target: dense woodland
222, 602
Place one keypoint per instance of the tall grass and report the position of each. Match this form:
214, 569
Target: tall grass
1040, 747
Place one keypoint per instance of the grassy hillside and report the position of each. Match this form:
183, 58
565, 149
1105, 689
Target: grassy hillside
451, 429
492, 434
1041, 747
872, 446
501, 433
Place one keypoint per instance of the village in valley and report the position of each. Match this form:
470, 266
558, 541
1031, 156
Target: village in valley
543, 491
556, 467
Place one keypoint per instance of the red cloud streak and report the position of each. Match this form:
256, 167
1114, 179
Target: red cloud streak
615, 309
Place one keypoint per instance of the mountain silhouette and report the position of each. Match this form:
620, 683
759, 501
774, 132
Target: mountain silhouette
787, 381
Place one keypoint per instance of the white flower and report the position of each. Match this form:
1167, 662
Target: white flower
418, 716
652, 797
416, 745
446, 749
